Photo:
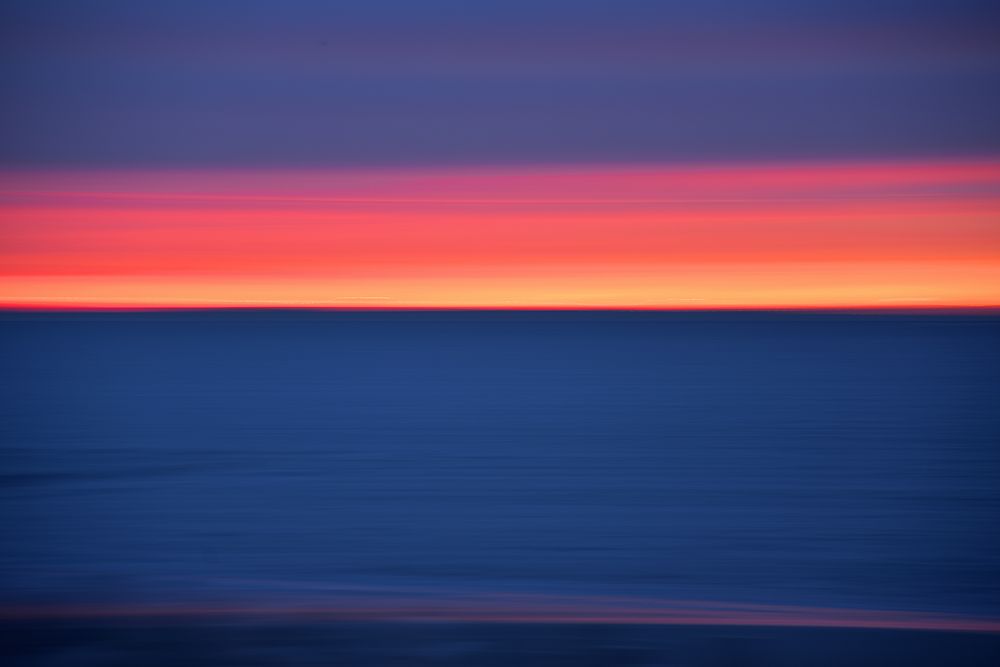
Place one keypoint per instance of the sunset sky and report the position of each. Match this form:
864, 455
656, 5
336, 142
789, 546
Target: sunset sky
500, 154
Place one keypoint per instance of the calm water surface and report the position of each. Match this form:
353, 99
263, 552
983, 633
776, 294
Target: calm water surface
806, 459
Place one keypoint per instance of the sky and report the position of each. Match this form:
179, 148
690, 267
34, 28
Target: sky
553, 153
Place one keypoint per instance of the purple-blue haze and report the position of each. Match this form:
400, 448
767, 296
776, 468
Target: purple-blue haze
388, 82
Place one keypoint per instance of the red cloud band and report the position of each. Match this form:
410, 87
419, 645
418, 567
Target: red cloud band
819, 235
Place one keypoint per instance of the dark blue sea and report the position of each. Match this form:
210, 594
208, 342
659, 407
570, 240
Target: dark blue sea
389, 460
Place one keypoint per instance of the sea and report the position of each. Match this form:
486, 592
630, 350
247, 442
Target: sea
536, 466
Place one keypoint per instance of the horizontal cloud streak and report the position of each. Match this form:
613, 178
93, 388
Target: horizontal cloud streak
811, 235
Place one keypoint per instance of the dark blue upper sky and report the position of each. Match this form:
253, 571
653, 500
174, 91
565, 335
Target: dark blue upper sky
301, 82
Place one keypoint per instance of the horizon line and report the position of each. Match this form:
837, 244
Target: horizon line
866, 308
